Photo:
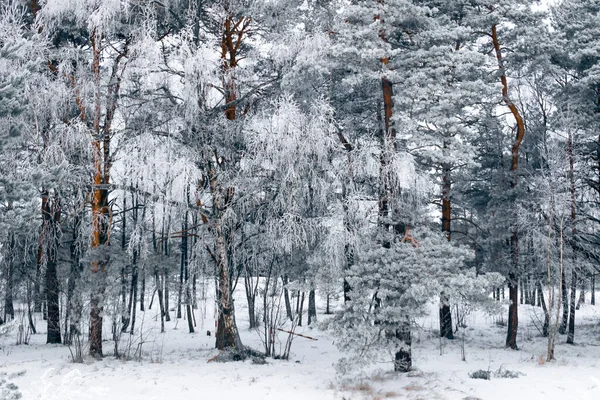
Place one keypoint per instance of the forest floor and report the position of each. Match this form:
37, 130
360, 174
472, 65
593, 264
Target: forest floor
174, 365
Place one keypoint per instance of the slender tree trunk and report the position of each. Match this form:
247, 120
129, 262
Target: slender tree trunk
445, 311
143, 288
124, 309
574, 279
133, 294
300, 308
166, 294
9, 310
159, 287
182, 266
546, 312
312, 307
513, 311
52, 214
565, 303
286, 295
593, 290
572, 306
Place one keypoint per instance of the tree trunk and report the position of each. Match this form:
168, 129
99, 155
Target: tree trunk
52, 294
565, 303
300, 308
161, 304
312, 307
593, 290
445, 312
227, 336
101, 153
446, 329
52, 214
286, 295
166, 294
513, 311
143, 288
124, 310
134, 290
403, 356
573, 305
9, 310
541, 299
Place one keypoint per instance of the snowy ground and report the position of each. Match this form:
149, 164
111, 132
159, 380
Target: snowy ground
174, 365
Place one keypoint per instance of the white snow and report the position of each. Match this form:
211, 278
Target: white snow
175, 364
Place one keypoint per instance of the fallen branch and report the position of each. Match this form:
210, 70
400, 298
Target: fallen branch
297, 334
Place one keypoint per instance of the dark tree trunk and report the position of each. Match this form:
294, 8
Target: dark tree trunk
134, 290
143, 288
445, 312
251, 286
445, 318
572, 306
124, 309
403, 356
9, 310
166, 294
143, 269
52, 293
161, 304
300, 308
593, 290
52, 214
286, 296
96, 320
562, 329
513, 312
540, 296
312, 307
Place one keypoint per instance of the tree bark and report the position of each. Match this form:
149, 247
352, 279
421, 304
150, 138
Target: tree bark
312, 307
286, 295
593, 290
513, 311
9, 310
446, 329
51, 218
541, 299
574, 281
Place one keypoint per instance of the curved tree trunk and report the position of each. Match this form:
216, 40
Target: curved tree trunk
513, 311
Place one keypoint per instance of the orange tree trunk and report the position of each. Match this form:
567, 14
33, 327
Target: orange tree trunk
513, 279
227, 335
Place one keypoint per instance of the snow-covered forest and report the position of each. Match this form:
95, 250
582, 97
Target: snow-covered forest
311, 199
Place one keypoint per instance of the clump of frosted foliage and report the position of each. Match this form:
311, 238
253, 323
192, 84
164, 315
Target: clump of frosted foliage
396, 283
